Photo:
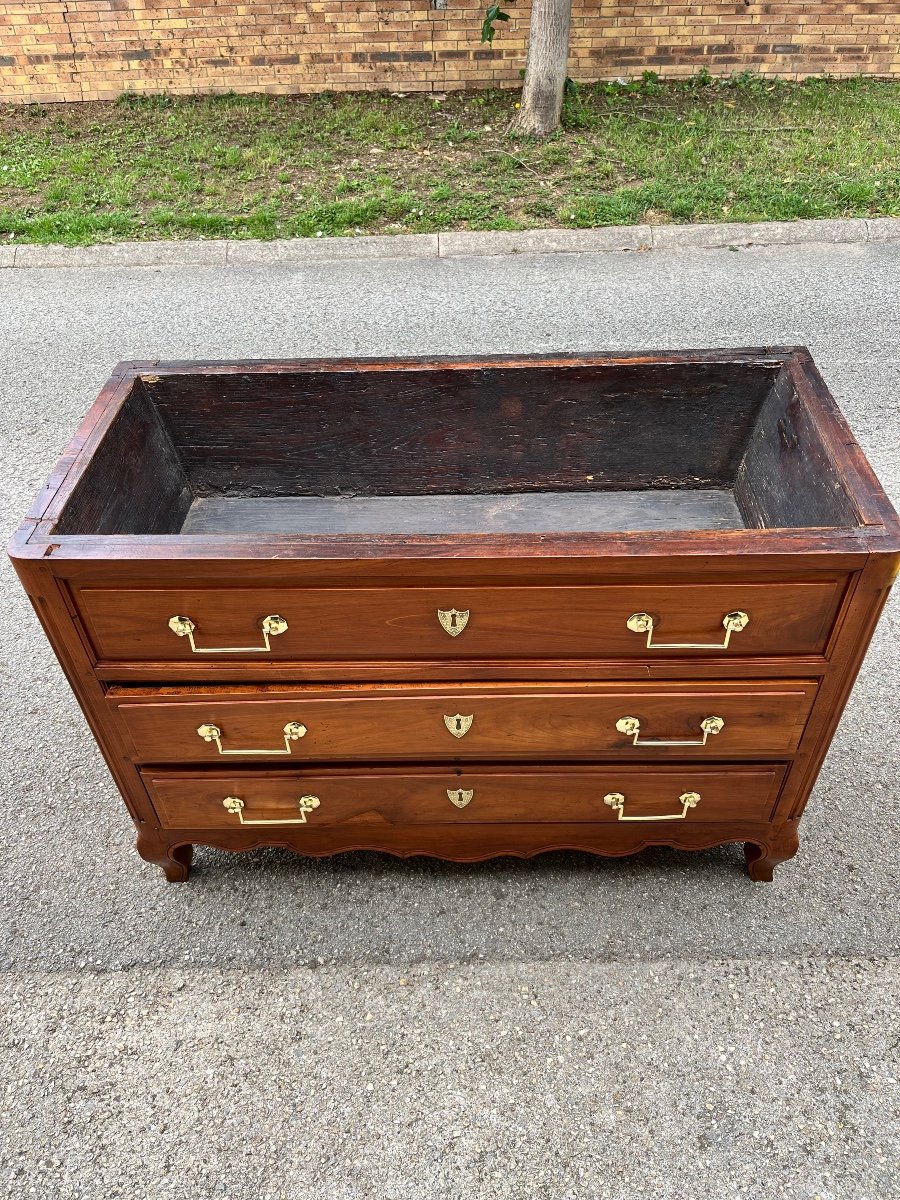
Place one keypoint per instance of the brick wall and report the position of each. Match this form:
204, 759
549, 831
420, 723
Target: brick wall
96, 49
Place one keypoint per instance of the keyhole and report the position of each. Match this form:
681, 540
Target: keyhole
453, 620
459, 723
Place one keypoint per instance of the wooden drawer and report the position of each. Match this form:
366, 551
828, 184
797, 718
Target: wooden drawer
490, 623
196, 800
485, 721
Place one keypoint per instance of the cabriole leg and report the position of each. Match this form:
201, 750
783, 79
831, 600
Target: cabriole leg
762, 860
174, 860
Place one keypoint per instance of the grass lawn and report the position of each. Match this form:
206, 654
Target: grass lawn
263, 167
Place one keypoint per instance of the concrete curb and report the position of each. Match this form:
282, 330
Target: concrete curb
610, 239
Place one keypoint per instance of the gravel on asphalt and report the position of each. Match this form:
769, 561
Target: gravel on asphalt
211, 1039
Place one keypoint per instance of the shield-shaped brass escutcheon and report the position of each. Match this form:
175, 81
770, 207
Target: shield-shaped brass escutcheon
460, 797
459, 725
452, 620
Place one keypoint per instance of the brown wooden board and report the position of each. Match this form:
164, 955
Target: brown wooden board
491, 428
135, 482
786, 477
523, 512
498, 722
514, 622
390, 798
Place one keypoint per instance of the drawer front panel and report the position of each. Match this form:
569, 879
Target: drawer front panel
457, 623
294, 799
672, 720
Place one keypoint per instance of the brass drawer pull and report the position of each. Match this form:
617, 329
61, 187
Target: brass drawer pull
733, 622
687, 800
632, 726
305, 804
270, 626
452, 620
460, 796
293, 731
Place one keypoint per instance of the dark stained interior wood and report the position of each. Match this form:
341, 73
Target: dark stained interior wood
135, 483
529, 512
565, 448
786, 478
487, 429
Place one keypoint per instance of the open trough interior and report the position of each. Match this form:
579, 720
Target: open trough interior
432, 449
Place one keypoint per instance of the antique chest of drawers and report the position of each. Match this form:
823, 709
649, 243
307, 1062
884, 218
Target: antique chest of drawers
463, 608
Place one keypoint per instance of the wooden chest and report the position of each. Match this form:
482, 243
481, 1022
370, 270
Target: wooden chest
463, 608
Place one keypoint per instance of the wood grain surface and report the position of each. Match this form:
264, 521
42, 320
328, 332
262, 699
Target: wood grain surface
761, 719
516, 512
514, 622
390, 798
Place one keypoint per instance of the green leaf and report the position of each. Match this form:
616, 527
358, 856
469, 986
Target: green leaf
493, 14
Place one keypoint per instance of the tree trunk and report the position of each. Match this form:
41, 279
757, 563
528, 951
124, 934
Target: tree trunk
545, 67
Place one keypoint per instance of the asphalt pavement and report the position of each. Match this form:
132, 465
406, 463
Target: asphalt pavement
365, 1027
